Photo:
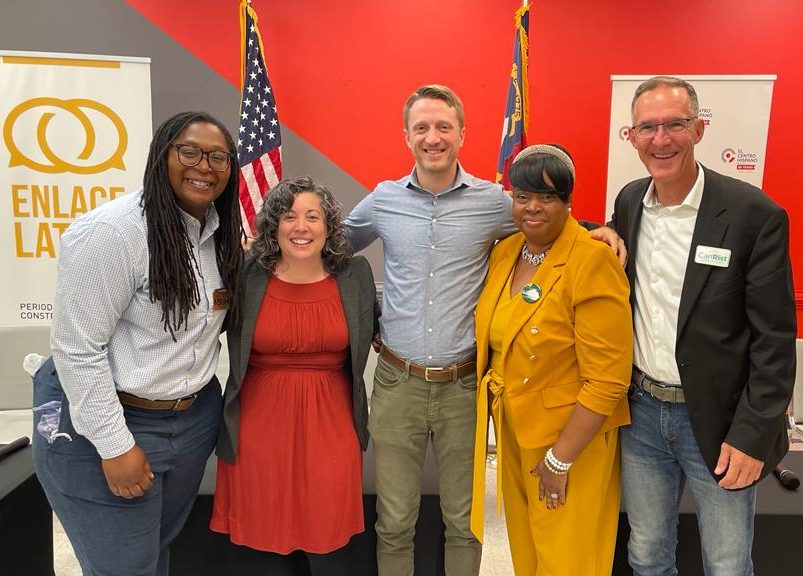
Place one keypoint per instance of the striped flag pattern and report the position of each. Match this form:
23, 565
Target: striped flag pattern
259, 138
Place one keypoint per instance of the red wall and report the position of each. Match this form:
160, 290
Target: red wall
341, 72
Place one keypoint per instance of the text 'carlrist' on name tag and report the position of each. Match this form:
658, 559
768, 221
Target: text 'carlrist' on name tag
711, 256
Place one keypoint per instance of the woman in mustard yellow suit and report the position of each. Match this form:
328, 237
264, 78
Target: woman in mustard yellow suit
554, 342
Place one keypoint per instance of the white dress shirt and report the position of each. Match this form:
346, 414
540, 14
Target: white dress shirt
664, 242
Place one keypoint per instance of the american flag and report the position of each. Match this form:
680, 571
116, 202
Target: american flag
259, 140
517, 108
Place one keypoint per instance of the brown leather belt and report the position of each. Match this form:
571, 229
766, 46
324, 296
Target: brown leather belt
430, 373
657, 389
178, 405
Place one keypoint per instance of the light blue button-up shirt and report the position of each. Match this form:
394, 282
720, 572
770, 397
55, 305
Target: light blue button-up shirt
436, 257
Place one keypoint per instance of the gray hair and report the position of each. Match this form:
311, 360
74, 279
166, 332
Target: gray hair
670, 82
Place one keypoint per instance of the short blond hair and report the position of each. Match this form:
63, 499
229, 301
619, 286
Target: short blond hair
435, 92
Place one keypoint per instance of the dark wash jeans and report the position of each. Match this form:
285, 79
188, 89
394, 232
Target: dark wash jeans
112, 535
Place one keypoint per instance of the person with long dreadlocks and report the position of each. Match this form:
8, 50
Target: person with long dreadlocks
128, 408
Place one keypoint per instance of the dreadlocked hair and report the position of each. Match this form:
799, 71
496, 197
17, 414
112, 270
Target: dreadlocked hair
172, 264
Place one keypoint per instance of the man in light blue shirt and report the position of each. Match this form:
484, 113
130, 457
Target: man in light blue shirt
438, 225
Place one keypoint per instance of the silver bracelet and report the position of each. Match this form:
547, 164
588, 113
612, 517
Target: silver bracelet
555, 463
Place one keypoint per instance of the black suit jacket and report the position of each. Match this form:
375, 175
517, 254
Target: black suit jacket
358, 295
736, 326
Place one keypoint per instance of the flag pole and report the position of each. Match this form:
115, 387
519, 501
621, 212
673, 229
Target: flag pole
515, 123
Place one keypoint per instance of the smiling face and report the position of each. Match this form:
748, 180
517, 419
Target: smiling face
434, 135
196, 187
302, 229
539, 215
668, 157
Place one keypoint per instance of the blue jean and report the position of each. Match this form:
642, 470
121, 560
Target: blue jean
659, 456
405, 413
112, 535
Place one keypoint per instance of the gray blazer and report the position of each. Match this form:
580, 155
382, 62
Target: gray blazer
358, 294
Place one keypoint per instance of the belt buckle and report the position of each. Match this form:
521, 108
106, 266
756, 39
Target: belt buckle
433, 368
180, 400
662, 392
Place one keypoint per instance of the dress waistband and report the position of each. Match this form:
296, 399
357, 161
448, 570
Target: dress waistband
299, 362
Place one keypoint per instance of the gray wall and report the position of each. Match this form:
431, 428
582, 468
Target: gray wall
179, 81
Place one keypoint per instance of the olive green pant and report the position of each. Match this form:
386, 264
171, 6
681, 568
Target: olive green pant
405, 413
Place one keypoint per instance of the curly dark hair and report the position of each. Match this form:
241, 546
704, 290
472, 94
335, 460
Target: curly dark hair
172, 262
279, 201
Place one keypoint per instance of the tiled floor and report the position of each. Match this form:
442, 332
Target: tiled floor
63, 557
495, 555
495, 551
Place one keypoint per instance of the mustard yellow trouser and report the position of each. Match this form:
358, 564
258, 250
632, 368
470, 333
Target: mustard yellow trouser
577, 539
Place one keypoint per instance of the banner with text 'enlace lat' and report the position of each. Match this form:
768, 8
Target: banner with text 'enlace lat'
75, 134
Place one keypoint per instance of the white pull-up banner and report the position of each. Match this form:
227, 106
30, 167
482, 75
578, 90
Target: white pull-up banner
76, 131
736, 111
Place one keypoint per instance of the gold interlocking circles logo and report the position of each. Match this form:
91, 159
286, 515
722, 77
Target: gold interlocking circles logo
76, 108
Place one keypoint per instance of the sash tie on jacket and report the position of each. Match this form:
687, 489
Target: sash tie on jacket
492, 384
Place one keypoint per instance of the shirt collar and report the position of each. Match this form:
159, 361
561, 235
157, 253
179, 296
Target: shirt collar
463, 180
211, 219
692, 199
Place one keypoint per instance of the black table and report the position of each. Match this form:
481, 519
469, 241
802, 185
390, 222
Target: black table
779, 523
26, 521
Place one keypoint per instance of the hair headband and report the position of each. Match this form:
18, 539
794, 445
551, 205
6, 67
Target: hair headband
549, 150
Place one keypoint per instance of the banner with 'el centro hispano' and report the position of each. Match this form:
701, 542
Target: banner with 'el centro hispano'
75, 134
736, 114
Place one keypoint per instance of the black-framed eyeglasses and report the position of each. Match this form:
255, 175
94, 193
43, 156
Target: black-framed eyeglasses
190, 155
648, 130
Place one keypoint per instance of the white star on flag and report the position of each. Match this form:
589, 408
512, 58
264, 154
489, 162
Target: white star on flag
260, 166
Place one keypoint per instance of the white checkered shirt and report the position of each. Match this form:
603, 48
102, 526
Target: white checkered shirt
107, 335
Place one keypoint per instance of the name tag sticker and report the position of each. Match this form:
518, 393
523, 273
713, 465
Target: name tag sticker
711, 256
220, 299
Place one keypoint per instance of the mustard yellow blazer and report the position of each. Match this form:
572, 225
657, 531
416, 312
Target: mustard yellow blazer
574, 344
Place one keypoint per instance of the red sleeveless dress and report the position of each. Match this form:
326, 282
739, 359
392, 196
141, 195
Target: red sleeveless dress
297, 481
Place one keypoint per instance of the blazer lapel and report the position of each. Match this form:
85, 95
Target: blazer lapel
709, 230
547, 275
495, 283
634, 222
257, 282
348, 297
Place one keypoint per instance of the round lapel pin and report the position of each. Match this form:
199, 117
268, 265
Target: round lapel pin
531, 293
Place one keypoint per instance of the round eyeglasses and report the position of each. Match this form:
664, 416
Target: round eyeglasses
190, 155
648, 130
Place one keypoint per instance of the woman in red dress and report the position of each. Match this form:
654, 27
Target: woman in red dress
289, 477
